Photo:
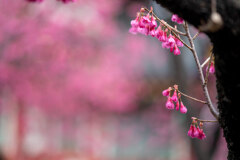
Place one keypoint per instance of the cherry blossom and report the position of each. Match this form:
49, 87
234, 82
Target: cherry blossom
193, 132
183, 109
174, 96
166, 92
212, 68
169, 104
177, 19
146, 25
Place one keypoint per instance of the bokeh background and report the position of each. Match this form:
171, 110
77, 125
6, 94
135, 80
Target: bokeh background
76, 85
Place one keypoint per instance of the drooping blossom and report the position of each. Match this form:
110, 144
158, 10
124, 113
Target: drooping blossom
212, 68
135, 25
201, 135
183, 109
178, 42
193, 132
160, 34
177, 19
174, 96
176, 50
177, 105
166, 92
146, 25
169, 104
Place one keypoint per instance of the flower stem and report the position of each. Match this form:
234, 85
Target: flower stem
194, 37
195, 99
201, 120
182, 41
205, 89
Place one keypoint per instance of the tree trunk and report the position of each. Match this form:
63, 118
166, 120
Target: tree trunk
226, 42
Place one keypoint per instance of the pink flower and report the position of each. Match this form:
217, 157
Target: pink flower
152, 33
153, 23
177, 105
193, 132
135, 26
171, 41
201, 135
163, 37
143, 31
133, 30
145, 21
212, 68
176, 50
200, 130
165, 45
144, 25
166, 92
169, 104
174, 97
148, 25
183, 109
177, 19
158, 32
135, 23
178, 42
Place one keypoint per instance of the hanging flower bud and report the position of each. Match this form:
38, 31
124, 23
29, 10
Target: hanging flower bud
212, 68
177, 105
193, 132
166, 92
183, 109
174, 97
201, 135
176, 50
169, 104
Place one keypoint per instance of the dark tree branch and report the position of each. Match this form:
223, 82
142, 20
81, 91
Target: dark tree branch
226, 43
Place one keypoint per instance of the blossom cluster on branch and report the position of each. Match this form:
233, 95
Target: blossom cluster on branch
147, 25
174, 97
195, 130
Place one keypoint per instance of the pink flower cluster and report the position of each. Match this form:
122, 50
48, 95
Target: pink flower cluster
177, 19
175, 98
196, 132
146, 25
64, 1
143, 24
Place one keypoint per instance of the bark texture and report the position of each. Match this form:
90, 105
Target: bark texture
226, 49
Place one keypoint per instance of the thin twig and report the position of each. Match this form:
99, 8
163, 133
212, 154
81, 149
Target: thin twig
185, 44
205, 62
194, 37
209, 64
205, 89
195, 99
201, 120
